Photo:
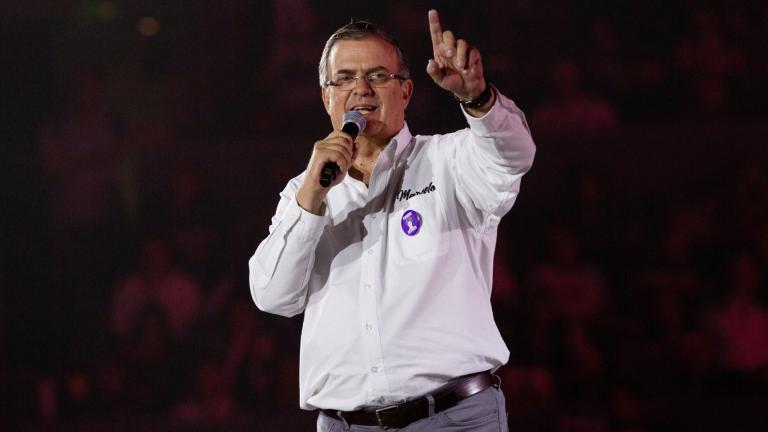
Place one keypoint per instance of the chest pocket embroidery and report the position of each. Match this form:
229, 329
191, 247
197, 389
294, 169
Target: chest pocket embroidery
418, 229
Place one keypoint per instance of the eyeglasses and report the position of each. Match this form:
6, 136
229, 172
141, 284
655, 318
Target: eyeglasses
374, 79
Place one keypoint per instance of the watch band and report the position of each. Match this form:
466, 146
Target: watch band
479, 101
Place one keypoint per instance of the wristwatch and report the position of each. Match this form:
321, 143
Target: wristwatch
479, 101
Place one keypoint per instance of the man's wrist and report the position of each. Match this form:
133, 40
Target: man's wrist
486, 106
478, 102
310, 202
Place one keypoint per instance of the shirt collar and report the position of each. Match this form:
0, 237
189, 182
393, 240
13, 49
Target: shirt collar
401, 141
397, 144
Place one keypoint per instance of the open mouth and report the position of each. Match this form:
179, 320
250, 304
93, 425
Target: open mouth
364, 108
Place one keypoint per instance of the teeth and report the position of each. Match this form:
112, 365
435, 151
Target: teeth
365, 108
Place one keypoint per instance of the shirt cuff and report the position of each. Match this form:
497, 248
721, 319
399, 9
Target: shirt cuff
495, 118
305, 225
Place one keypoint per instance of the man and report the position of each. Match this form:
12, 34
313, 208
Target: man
392, 264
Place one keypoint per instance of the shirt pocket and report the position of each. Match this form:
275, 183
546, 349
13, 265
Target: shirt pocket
418, 230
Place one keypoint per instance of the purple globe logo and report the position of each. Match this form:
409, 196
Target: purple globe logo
411, 222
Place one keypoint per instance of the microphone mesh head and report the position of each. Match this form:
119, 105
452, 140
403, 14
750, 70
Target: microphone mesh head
355, 117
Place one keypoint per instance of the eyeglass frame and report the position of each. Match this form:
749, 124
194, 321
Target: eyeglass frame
366, 77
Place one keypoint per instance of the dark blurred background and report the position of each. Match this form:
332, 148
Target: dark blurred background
144, 144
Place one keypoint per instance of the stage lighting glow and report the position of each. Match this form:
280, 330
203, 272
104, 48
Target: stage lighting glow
148, 26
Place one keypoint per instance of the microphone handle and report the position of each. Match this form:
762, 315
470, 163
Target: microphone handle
331, 169
328, 174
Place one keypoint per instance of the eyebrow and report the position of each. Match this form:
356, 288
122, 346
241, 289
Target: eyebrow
367, 71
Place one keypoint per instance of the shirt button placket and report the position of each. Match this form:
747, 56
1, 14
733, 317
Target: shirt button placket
369, 313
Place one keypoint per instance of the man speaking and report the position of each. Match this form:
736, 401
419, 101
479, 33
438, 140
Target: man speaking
392, 262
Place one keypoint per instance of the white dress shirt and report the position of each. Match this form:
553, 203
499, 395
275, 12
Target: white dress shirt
390, 316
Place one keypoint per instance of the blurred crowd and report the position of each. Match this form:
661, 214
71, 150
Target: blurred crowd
157, 158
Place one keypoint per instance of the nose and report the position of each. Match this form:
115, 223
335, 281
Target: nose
362, 86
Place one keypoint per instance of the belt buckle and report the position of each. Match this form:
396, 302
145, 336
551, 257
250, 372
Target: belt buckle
384, 410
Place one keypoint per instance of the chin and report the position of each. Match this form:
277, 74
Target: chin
374, 127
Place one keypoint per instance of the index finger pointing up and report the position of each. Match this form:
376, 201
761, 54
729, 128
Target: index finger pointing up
436, 31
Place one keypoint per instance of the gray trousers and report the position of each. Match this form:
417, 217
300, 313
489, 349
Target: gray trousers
482, 412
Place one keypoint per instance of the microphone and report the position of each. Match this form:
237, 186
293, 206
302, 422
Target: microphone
354, 123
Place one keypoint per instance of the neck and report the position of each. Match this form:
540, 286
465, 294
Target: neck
369, 147
368, 151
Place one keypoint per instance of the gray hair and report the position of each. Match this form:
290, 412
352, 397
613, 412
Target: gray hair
357, 30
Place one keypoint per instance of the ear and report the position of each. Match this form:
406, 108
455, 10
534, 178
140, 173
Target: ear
407, 92
326, 99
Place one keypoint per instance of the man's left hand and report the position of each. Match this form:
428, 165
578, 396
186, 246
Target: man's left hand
456, 65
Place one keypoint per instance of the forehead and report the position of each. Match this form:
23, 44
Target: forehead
363, 54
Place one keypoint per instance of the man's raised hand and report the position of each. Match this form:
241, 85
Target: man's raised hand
455, 65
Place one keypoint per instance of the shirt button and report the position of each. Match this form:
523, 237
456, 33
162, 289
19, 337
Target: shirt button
370, 251
374, 369
373, 216
366, 286
368, 327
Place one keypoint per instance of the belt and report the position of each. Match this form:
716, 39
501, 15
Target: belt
401, 415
